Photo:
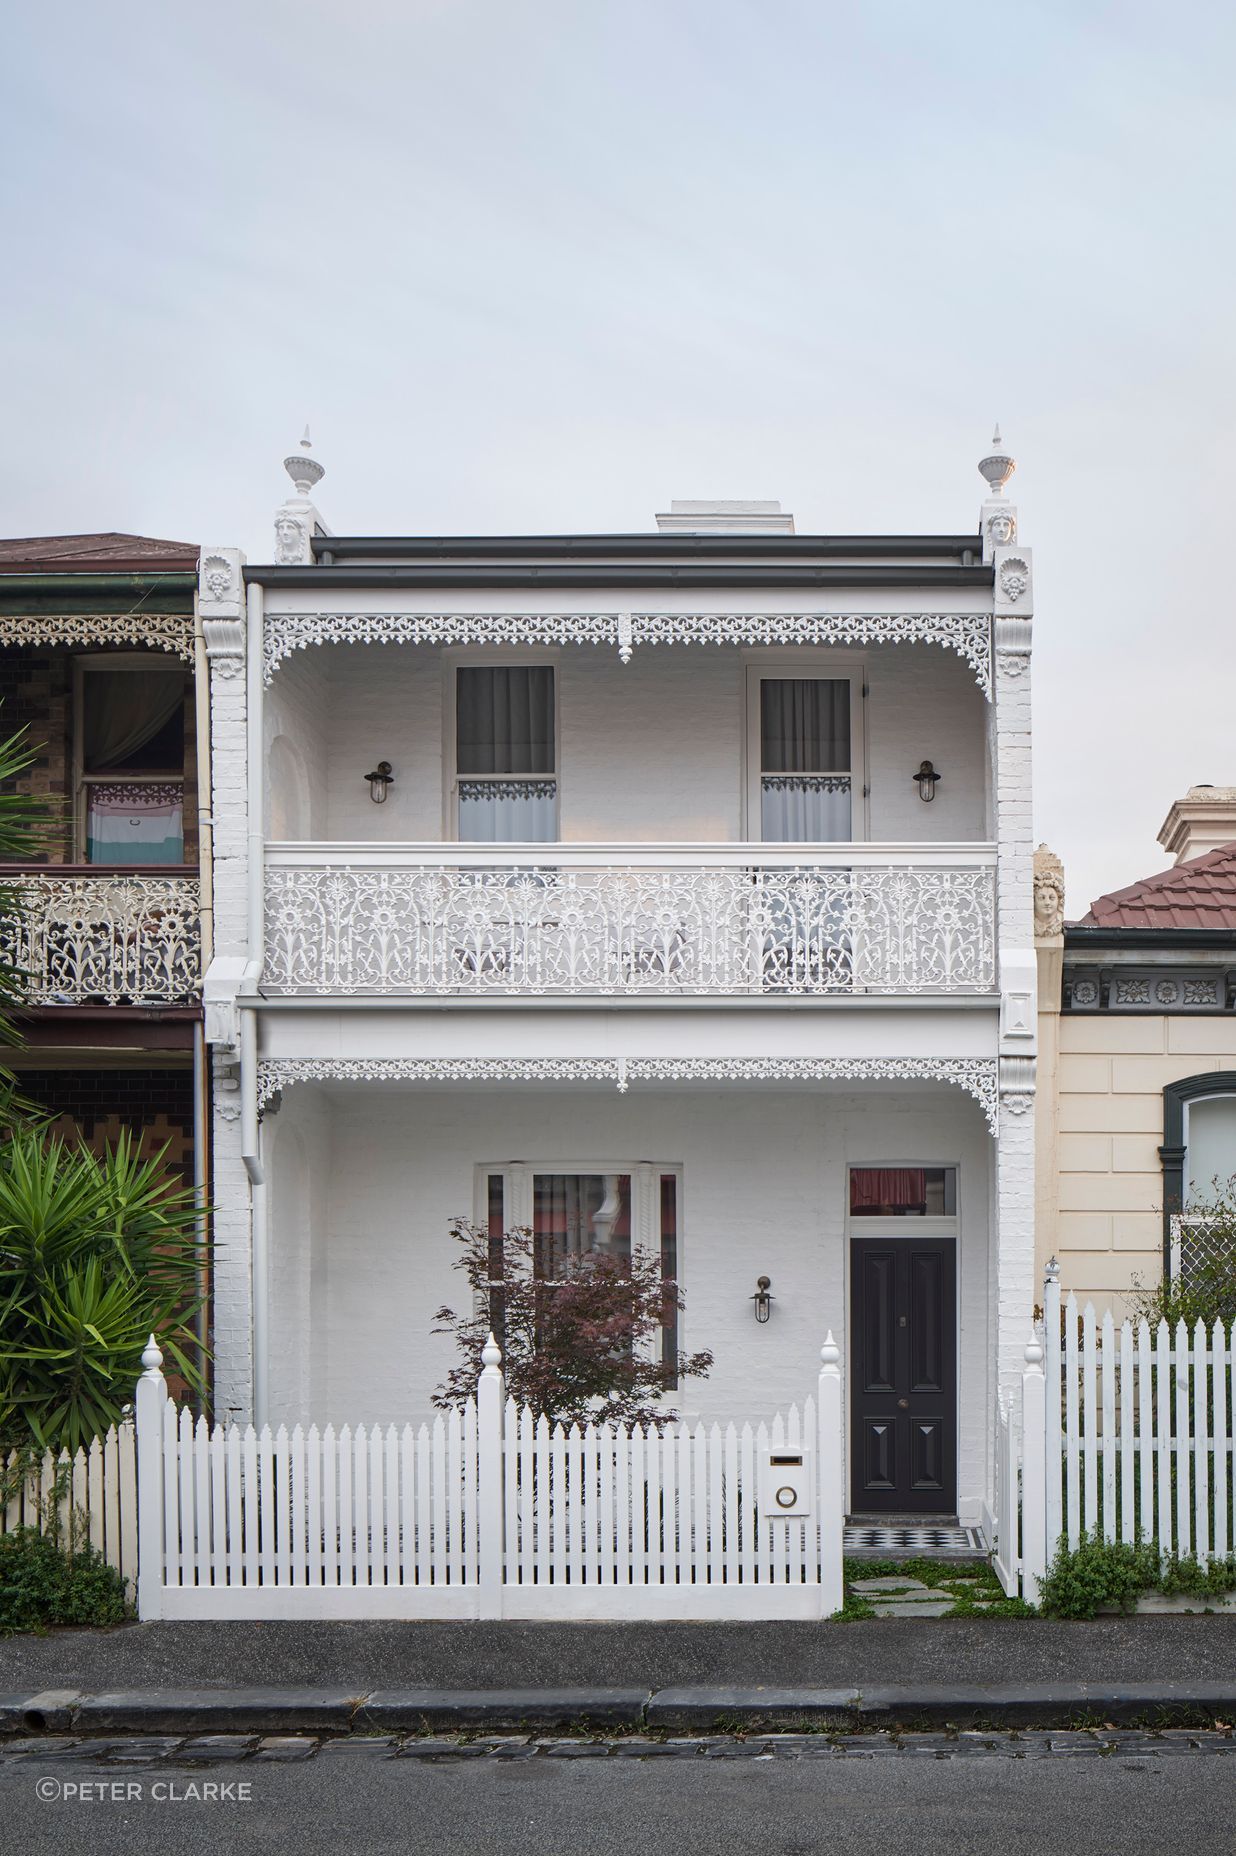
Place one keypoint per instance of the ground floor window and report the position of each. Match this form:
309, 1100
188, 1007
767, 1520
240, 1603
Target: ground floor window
595, 1209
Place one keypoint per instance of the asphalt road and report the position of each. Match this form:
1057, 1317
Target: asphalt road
899, 1806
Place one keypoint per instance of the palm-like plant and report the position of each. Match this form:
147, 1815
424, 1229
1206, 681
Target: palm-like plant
24, 823
95, 1255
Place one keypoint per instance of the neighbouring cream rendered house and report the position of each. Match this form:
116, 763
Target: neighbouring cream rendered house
668, 888
1137, 1058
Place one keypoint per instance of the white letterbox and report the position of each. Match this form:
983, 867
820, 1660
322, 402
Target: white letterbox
786, 1485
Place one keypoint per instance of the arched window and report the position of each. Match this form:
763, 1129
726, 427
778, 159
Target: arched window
1199, 1158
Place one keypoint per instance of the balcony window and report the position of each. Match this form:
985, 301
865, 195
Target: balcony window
131, 738
805, 759
506, 789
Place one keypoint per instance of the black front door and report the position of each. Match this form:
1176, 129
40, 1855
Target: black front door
903, 1431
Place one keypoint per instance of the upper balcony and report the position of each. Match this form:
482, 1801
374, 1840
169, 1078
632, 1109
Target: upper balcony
677, 922
669, 767
91, 937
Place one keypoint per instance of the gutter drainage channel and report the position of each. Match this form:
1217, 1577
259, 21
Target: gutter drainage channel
597, 1711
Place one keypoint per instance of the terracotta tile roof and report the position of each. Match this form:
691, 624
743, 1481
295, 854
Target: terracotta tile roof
1197, 894
86, 554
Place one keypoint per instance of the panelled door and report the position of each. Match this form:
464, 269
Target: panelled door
903, 1324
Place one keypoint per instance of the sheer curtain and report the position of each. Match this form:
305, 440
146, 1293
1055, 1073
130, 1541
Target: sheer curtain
123, 710
804, 759
504, 753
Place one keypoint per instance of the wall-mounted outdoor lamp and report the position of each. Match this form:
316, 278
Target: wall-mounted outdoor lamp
380, 782
763, 1301
927, 779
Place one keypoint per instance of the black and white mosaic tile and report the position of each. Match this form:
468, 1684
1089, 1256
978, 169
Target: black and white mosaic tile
913, 1537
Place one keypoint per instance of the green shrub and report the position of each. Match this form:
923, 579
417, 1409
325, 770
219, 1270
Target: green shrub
44, 1582
1094, 1573
1100, 1572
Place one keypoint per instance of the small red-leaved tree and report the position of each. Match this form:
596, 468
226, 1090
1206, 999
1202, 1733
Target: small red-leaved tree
584, 1348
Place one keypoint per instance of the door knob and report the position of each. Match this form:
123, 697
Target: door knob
903, 1404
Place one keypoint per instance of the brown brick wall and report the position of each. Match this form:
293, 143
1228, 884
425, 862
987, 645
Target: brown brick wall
36, 692
156, 1106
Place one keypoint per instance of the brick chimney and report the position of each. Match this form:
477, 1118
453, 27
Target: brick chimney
722, 518
1203, 820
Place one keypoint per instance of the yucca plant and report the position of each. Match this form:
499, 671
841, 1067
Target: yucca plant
25, 820
96, 1253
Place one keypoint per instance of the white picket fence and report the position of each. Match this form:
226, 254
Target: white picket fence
490, 1512
1126, 1432
99, 1482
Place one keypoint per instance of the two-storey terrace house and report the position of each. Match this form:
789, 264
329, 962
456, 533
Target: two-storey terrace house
99, 658
669, 889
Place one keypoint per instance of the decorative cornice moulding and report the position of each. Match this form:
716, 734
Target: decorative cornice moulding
978, 1076
162, 631
966, 633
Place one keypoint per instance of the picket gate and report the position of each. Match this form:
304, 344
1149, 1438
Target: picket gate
489, 1511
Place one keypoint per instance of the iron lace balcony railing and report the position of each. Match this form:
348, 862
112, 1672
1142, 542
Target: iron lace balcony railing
628, 920
104, 938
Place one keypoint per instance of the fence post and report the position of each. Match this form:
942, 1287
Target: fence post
491, 1504
831, 1491
149, 1407
1033, 1472
1054, 1485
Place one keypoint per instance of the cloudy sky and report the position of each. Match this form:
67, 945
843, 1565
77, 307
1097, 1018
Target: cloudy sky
545, 264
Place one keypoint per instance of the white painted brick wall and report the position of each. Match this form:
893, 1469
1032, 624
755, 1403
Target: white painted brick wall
763, 1193
653, 750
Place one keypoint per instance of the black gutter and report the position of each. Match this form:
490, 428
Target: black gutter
1085, 938
336, 548
661, 575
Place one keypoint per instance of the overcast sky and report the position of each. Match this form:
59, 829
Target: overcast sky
545, 264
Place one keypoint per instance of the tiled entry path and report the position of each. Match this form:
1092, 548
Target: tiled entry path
891, 1539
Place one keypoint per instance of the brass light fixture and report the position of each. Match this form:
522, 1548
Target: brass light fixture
762, 1299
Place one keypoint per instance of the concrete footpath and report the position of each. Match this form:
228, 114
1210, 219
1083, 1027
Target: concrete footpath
416, 1677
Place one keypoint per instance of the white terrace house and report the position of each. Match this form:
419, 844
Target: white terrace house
669, 889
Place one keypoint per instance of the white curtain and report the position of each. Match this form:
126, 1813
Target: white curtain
805, 808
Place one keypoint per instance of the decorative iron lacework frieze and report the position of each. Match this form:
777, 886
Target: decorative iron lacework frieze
978, 1076
162, 631
966, 633
540, 931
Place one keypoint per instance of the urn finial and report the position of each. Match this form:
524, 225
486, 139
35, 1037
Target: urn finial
998, 466
304, 470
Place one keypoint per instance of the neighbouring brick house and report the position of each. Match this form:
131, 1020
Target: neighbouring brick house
99, 661
1137, 1058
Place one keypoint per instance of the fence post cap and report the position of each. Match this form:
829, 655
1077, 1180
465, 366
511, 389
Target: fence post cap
491, 1353
1034, 1350
152, 1359
830, 1352
1052, 1270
